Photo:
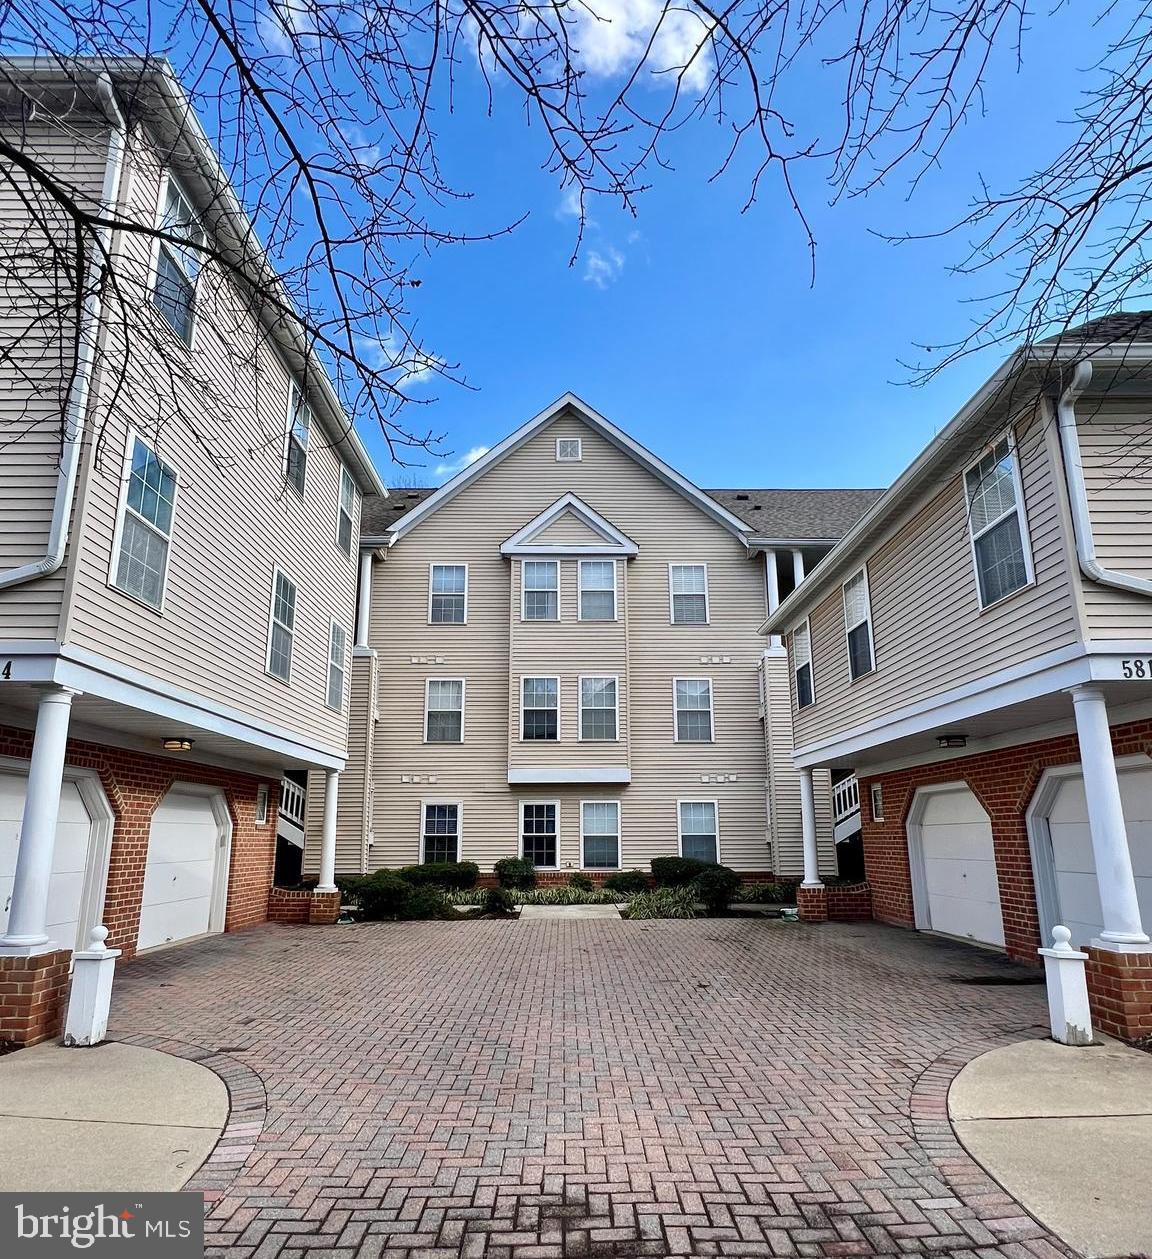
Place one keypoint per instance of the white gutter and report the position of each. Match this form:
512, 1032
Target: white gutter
89, 331
1078, 492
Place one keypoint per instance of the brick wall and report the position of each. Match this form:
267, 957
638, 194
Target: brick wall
32, 997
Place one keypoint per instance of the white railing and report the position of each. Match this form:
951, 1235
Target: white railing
845, 798
292, 802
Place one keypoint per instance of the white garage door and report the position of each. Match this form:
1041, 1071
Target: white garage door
70, 862
180, 876
1073, 867
961, 895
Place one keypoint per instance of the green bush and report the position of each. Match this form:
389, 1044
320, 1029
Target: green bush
581, 883
716, 887
664, 902
455, 876
516, 873
498, 901
566, 896
677, 871
427, 902
381, 895
627, 882
767, 894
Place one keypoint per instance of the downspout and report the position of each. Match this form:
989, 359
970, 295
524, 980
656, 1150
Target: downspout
74, 413
1078, 492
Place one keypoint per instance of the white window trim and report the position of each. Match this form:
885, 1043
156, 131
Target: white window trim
556, 805
261, 807
294, 390
681, 800
707, 598
600, 677
463, 708
554, 677
426, 800
524, 591
577, 457
811, 665
345, 476
711, 709
619, 833
876, 793
278, 570
580, 591
1021, 516
332, 625
154, 272
448, 564
871, 628
122, 507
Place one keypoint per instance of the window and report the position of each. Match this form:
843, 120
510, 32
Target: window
995, 523
698, 834
568, 450
689, 591
444, 710
337, 656
541, 584
346, 512
600, 834
282, 626
858, 625
693, 710
448, 594
876, 794
802, 664
177, 265
538, 833
598, 710
299, 426
441, 834
539, 708
597, 590
145, 526
262, 805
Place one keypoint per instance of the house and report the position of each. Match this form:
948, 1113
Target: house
557, 655
978, 649
179, 549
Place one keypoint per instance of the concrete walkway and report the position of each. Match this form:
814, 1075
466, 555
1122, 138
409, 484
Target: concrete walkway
1068, 1132
112, 1118
530, 913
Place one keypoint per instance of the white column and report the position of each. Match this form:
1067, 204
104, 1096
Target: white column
27, 931
808, 825
364, 607
772, 581
328, 834
797, 567
1123, 930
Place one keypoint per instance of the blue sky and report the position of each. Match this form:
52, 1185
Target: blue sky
696, 327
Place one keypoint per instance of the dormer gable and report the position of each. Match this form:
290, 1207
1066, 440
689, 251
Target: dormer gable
569, 527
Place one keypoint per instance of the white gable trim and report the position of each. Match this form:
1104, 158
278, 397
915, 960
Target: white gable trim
612, 541
597, 423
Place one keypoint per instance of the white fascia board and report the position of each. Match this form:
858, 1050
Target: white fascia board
608, 430
613, 541
541, 777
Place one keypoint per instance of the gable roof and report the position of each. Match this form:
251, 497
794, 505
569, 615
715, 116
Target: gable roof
798, 515
612, 541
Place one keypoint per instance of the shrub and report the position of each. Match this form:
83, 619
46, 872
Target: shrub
627, 882
454, 876
664, 902
516, 873
427, 902
581, 883
677, 871
566, 896
498, 901
716, 887
768, 894
381, 895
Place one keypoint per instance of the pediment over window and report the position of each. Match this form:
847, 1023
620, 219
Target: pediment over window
569, 527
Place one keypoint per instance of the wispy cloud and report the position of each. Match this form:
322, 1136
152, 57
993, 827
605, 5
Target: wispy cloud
602, 266
405, 361
612, 35
469, 457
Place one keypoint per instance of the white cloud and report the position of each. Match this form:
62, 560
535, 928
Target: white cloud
466, 460
404, 360
611, 37
569, 207
602, 267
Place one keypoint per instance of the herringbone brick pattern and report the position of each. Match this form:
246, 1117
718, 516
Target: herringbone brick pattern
558, 1089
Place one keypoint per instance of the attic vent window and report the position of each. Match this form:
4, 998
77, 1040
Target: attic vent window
743, 498
568, 450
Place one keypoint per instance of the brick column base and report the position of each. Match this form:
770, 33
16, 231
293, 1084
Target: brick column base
33, 997
812, 904
302, 907
1120, 992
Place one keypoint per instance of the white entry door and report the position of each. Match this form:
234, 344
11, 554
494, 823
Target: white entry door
187, 858
954, 866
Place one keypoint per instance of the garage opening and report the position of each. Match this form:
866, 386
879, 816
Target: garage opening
186, 875
953, 865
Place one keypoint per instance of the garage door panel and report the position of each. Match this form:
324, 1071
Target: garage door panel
184, 862
179, 921
1079, 897
961, 916
1071, 804
1140, 846
955, 840
954, 806
169, 881
975, 880
175, 842
1072, 847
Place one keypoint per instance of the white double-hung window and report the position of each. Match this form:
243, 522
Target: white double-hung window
996, 523
146, 512
693, 697
699, 836
440, 833
600, 834
858, 625
299, 429
598, 708
802, 665
444, 710
541, 590
448, 594
597, 590
337, 665
178, 262
281, 626
540, 708
688, 593
346, 512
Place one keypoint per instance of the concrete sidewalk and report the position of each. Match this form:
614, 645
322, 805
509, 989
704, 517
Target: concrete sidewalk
114, 1117
1067, 1132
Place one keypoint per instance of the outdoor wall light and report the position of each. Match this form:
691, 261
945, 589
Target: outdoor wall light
952, 740
178, 745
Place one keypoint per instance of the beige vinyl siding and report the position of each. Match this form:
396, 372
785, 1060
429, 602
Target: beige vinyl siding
1116, 450
495, 648
217, 413
929, 633
33, 380
567, 530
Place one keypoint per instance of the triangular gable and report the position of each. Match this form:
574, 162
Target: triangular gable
597, 536
608, 430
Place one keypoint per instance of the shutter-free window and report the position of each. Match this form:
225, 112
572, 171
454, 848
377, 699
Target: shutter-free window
448, 594
568, 450
441, 837
600, 834
858, 626
802, 664
299, 428
444, 718
337, 656
538, 833
994, 522
178, 264
539, 711
346, 512
597, 590
698, 835
283, 627
146, 526
541, 590
689, 585
693, 710
598, 708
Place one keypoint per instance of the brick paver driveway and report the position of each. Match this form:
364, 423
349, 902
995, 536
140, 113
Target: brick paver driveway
521, 1090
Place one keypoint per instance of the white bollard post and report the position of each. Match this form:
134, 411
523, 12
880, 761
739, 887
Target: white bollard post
91, 995
1068, 1010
